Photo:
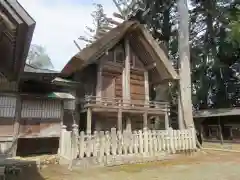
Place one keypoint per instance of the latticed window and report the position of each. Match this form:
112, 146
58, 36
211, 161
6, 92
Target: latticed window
41, 109
7, 106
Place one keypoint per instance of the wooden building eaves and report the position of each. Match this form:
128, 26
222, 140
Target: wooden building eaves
235, 111
15, 38
65, 82
30, 68
94, 51
34, 73
51, 95
47, 76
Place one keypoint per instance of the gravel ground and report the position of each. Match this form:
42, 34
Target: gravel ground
206, 165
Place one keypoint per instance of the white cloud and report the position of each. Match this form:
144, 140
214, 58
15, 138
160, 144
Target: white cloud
58, 24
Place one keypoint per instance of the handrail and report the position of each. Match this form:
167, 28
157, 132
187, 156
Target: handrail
87, 100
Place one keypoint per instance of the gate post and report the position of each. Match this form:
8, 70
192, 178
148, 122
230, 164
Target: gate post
62, 140
74, 140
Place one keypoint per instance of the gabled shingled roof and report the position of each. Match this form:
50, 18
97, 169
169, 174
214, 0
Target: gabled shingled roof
137, 35
16, 30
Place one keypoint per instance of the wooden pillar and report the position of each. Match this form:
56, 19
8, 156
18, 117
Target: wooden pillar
220, 129
99, 81
126, 85
145, 120
119, 120
89, 121
75, 110
166, 117
146, 86
17, 119
167, 125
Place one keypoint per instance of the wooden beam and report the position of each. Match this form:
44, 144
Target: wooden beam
160, 53
133, 111
7, 22
167, 125
146, 86
127, 70
145, 120
89, 121
99, 81
151, 66
119, 120
18, 112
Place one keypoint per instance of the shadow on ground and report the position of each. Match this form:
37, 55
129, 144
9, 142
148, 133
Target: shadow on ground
21, 170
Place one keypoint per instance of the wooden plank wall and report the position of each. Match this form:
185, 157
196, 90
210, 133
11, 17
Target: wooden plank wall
137, 85
112, 76
7, 114
112, 63
41, 118
7, 107
112, 84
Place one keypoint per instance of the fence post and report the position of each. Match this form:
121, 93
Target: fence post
62, 140
125, 142
74, 140
95, 143
179, 140
107, 143
186, 140
88, 145
135, 142
155, 144
81, 144
141, 144
175, 140
120, 142
130, 142
102, 146
145, 140
159, 140
114, 141
171, 140
150, 140
194, 139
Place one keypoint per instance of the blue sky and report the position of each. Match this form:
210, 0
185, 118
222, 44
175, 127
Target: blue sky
59, 22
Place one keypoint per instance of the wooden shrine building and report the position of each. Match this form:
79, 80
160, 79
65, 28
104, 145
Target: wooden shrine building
218, 125
33, 101
120, 73
32, 111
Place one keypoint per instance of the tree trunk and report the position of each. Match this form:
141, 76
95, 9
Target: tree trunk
185, 101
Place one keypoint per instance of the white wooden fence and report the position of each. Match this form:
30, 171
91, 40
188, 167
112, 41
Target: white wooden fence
115, 143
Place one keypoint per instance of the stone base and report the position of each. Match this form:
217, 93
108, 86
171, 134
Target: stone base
91, 162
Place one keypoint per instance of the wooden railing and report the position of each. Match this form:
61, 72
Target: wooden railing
114, 147
119, 102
